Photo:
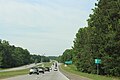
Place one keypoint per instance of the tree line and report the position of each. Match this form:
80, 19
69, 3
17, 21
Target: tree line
11, 56
100, 39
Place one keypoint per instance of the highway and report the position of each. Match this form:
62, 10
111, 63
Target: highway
52, 75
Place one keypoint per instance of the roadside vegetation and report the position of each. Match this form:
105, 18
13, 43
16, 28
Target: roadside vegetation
3, 69
72, 69
13, 73
46, 64
99, 40
12, 56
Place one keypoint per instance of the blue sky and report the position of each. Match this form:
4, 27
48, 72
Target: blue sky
43, 26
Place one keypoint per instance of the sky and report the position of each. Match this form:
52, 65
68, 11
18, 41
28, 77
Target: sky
43, 26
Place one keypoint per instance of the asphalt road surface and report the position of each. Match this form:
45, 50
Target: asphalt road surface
52, 75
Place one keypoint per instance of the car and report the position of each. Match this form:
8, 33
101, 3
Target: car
56, 65
50, 68
41, 70
47, 69
55, 69
34, 70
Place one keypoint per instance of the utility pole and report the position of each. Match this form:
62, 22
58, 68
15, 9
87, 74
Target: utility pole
97, 69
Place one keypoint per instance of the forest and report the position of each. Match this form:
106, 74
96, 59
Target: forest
11, 56
99, 40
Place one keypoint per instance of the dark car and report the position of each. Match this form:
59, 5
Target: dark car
41, 70
55, 64
34, 70
47, 69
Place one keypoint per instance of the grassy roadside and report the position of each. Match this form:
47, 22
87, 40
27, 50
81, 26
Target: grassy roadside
4, 69
1, 69
46, 64
13, 73
72, 69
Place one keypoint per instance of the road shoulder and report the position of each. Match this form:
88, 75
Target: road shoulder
72, 76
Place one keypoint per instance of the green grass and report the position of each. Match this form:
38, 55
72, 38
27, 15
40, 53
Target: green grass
72, 69
47, 64
39, 65
3, 68
13, 73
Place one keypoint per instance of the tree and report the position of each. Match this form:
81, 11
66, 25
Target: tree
101, 39
11, 56
67, 55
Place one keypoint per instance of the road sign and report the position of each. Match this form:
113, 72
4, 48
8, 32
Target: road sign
68, 62
97, 61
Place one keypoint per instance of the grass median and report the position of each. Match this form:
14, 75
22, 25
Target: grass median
72, 69
46, 64
13, 73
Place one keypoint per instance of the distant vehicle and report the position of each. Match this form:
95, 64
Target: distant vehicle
50, 68
55, 69
41, 70
47, 69
55, 64
34, 70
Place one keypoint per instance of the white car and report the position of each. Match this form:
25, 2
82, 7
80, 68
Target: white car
55, 69
50, 68
34, 70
